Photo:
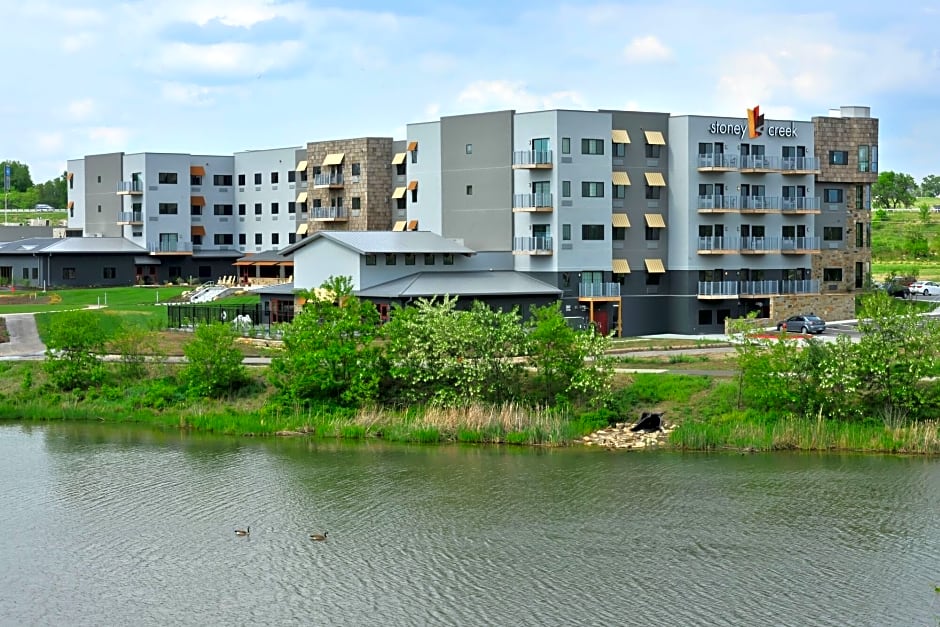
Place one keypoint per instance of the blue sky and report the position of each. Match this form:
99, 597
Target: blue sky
219, 76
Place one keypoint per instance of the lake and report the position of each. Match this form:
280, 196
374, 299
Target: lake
119, 525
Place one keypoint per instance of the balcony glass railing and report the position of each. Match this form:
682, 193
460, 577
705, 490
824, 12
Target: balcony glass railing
322, 180
713, 201
799, 163
718, 161
130, 187
760, 202
532, 244
532, 157
531, 201
328, 213
759, 162
799, 203
588, 290
757, 288
799, 243
717, 243
170, 247
130, 216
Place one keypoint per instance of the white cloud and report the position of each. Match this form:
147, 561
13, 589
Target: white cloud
646, 49
436, 62
503, 94
80, 109
236, 13
108, 137
227, 59
50, 142
188, 94
75, 42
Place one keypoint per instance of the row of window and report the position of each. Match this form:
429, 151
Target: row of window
867, 158
410, 259
227, 239
225, 180
172, 208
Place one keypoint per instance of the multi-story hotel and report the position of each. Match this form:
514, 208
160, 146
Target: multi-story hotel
646, 222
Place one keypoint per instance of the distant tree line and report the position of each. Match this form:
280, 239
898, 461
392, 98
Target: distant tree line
896, 189
24, 194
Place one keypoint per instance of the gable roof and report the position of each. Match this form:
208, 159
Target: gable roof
477, 283
377, 242
71, 245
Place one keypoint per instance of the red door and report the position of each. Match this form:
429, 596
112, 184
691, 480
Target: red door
601, 321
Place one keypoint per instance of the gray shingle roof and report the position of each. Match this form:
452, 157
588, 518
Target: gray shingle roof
477, 283
379, 242
71, 245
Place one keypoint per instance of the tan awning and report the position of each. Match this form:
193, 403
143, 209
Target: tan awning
621, 178
399, 158
620, 266
71, 204
399, 192
71, 175
655, 221
654, 266
197, 201
334, 158
412, 146
197, 170
412, 225
243, 262
400, 225
655, 179
412, 186
620, 136
655, 138
265, 263
197, 229
621, 220
302, 229
301, 166
302, 197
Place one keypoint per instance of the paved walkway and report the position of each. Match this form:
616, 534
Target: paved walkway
24, 338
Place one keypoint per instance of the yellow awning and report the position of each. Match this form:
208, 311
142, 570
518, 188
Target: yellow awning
197, 201
620, 266
197, 170
334, 158
412, 186
654, 266
302, 229
399, 158
655, 221
655, 179
400, 225
655, 138
302, 197
399, 192
621, 178
197, 229
620, 136
301, 166
412, 146
621, 220
71, 175
412, 225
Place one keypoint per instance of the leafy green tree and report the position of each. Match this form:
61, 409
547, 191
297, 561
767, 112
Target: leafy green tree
53, 192
20, 179
74, 342
894, 189
213, 363
329, 351
930, 186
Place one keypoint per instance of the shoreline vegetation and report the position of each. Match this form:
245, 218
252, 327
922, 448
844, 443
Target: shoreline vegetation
783, 395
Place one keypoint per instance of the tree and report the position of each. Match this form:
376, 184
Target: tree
894, 189
53, 192
329, 354
930, 186
74, 341
20, 180
213, 363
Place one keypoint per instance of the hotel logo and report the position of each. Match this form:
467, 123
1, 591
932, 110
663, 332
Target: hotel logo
755, 122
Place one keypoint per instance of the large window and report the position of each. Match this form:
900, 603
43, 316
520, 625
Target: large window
592, 232
108, 273
832, 233
653, 151
838, 157
223, 239
592, 189
620, 191
833, 196
619, 150
68, 273
592, 146
167, 178
225, 180
167, 209
653, 234
222, 210
832, 274
863, 158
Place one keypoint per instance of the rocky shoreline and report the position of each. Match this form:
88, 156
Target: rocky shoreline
622, 436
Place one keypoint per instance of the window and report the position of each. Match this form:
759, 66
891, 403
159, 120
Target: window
291, 238
429, 259
620, 191
653, 193
68, 273
274, 177
619, 150
356, 169
448, 259
164, 178
257, 208
242, 239
275, 208
414, 155
241, 180
291, 176
469, 190
225, 180
107, 273
619, 233
197, 240
859, 235
167, 209
223, 239
195, 180
832, 274
859, 196
258, 239
195, 210
653, 151
566, 189
653, 278
241, 209
275, 239
832, 196
838, 157
469, 149
370, 259
99, 209
566, 232
391, 259
292, 207
401, 169
26, 273
70, 182
566, 145
874, 158
356, 202
257, 178
652, 234
832, 233
204, 272
704, 316
409, 259
592, 232
592, 189
592, 146
222, 210
414, 195
863, 158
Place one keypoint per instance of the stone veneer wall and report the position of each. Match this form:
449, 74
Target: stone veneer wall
373, 187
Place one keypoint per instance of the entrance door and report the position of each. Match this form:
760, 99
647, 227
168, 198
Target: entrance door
601, 321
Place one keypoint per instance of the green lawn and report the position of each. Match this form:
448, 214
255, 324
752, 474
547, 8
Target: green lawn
140, 299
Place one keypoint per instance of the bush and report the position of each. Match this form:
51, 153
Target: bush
74, 340
214, 365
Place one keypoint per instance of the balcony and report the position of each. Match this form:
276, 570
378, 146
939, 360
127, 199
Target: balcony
532, 160
717, 163
328, 214
719, 204
170, 248
759, 245
599, 291
532, 202
328, 180
799, 165
134, 188
759, 164
799, 245
717, 245
130, 217
750, 289
800, 204
760, 204
532, 245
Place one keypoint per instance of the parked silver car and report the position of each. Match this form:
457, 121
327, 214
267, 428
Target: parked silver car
808, 323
